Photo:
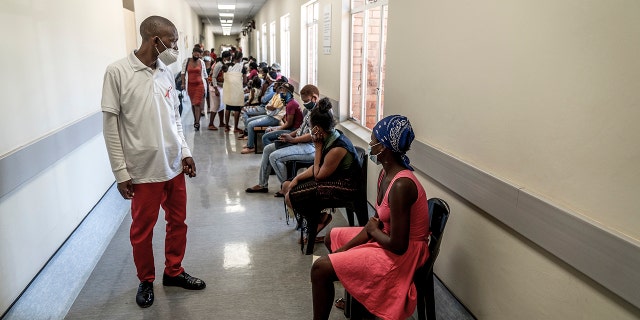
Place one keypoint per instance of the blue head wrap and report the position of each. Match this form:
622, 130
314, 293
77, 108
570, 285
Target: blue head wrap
395, 133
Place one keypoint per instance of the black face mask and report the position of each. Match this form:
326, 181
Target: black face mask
195, 58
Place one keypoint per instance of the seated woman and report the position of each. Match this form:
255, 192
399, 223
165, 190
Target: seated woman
376, 263
334, 174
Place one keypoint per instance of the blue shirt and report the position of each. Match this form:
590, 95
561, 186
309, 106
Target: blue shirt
268, 94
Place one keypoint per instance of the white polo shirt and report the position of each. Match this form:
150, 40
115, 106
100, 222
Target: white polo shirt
151, 140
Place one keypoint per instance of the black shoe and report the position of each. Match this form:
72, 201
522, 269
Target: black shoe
144, 297
183, 280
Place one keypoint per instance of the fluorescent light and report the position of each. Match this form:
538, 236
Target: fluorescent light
226, 25
226, 14
226, 7
226, 21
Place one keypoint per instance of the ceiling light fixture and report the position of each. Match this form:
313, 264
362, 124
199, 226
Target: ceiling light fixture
226, 15
226, 7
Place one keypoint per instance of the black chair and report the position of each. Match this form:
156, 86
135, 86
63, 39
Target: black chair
423, 277
357, 206
292, 170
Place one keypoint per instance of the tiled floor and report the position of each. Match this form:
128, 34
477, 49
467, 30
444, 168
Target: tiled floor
238, 243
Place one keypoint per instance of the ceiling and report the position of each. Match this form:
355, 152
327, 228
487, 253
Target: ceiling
209, 12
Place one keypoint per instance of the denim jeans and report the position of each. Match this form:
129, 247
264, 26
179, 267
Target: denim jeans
250, 112
259, 121
271, 137
279, 157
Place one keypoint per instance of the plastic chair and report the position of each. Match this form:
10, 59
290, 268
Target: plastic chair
423, 277
357, 206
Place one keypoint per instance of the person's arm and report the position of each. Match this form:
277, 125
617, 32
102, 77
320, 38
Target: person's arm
114, 146
288, 122
188, 165
402, 196
183, 74
361, 238
214, 75
204, 74
116, 154
331, 161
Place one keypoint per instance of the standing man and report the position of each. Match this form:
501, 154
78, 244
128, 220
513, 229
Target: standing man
148, 152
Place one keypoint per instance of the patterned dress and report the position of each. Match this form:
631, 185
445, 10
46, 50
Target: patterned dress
381, 280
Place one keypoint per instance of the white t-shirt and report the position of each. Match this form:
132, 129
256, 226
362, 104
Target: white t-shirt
151, 143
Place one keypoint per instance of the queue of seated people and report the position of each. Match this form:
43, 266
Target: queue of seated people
393, 243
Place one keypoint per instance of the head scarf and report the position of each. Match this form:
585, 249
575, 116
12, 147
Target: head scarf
395, 133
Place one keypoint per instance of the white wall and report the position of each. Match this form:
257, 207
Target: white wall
53, 68
52, 77
540, 94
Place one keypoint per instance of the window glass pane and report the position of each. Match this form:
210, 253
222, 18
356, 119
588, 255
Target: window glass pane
357, 3
264, 42
374, 23
272, 44
383, 62
285, 44
368, 43
357, 46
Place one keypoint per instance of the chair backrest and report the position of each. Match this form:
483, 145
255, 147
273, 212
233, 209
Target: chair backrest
438, 216
362, 160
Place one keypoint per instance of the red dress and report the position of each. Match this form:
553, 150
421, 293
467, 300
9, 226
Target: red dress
381, 280
195, 86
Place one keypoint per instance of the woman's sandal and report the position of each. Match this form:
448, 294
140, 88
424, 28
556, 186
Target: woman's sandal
340, 303
247, 150
278, 194
196, 126
212, 127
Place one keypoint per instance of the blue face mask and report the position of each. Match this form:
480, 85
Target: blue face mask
309, 105
374, 157
285, 96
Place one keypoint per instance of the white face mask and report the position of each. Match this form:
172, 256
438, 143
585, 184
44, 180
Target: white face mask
374, 157
207, 58
168, 56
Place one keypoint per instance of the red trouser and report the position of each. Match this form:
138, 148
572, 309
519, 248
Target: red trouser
145, 206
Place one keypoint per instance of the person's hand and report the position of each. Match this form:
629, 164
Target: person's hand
286, 188
216, 91
373, 225
317, 137
269, 129
189, 167
126, 189
286, 137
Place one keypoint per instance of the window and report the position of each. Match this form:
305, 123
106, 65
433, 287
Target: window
259, 55
285, 46
264, 42
368, 55
310, 42
272, 42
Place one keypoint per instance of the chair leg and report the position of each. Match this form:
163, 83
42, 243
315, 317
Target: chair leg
350, 214
312, 232
430, 297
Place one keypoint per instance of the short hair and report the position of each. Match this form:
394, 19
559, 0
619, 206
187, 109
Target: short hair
154, 26
226, 54
197, 48
322, 115
309, 90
